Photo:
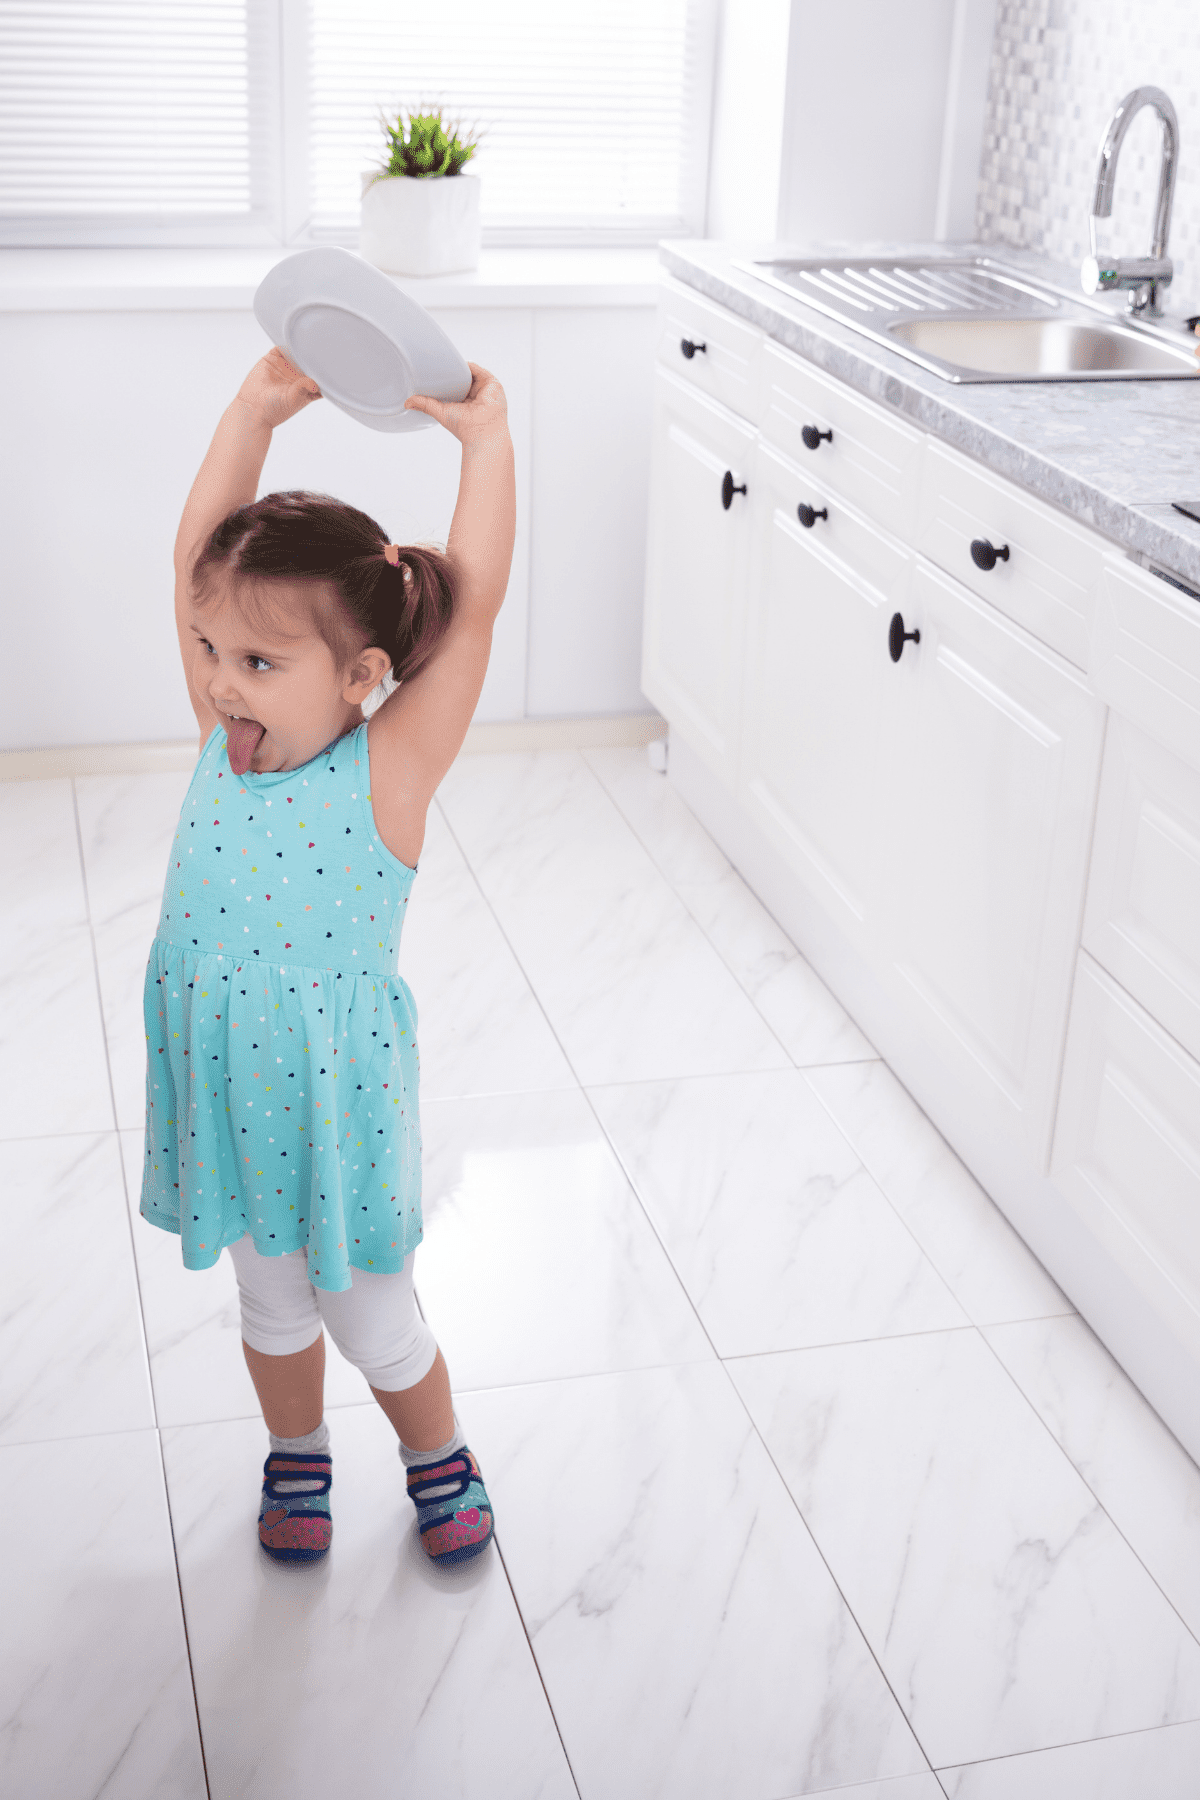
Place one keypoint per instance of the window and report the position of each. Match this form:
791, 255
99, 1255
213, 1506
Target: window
251, 121
138, 121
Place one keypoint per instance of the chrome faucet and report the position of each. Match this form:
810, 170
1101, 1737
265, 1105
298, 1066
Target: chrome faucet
1146, 276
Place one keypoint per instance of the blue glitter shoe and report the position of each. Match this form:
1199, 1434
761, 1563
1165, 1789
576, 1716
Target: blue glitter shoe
457, 1524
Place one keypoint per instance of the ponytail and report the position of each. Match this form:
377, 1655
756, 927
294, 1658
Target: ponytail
357, 598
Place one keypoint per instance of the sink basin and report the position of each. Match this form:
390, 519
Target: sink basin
973, 318
1043, 347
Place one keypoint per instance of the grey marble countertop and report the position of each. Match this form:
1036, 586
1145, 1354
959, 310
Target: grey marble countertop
1114, 454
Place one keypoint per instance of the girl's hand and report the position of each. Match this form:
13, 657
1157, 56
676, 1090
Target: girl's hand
484, 410
274, 389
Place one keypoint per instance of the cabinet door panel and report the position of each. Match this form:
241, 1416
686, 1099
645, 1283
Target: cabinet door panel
997, 761
1143, 906
816, 655
696, 559
1127, 1147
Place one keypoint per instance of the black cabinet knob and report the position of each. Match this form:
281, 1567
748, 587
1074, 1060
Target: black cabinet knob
985, 555
898, 637
812, 437
728, 490
689, 349
808, 516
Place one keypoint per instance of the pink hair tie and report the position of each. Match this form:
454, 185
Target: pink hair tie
392, 553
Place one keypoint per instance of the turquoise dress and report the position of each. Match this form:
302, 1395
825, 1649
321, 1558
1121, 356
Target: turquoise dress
281, 1050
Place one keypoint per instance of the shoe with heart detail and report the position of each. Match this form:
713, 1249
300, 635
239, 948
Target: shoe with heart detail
294, 1523
453, 1509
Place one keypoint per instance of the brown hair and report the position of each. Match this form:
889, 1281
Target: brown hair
357, 598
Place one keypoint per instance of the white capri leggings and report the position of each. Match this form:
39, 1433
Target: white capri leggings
375, 1323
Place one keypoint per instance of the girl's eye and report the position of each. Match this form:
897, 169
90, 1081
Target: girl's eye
259, 659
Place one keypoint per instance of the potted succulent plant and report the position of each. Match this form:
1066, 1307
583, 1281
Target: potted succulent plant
420, 213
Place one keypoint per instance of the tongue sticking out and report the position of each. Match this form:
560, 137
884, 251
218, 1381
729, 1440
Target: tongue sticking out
242, 739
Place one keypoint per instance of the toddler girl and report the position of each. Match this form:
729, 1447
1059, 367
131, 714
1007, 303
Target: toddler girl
281, 1085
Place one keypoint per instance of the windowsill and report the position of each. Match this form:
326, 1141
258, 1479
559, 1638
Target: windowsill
117, 279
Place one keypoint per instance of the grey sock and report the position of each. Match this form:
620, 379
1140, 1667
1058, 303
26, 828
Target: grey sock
414, 1458
312, 1441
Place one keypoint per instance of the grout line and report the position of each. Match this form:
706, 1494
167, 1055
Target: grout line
138, 1285
581, 1087
706, 935
533, 1658
1074, 1466
812, 1536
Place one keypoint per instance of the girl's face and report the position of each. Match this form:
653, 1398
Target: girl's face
284, 677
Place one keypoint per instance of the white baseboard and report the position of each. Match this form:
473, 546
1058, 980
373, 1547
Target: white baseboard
506, 734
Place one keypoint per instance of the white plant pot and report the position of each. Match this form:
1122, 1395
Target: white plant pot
420, 224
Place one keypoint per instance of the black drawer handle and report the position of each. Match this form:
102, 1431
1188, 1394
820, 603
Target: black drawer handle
808, 516
898, 637
812, 437
728, 490
985, 556
689, 349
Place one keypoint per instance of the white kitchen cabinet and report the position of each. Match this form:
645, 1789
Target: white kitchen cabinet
994, 747
697, 556
816, 661
930, 830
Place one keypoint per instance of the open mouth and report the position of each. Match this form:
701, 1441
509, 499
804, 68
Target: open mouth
243, 736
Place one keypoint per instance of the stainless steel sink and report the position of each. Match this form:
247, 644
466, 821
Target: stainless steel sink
1044, 349
971, 319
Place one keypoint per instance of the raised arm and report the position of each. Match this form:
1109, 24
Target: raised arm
228, 478
418, 731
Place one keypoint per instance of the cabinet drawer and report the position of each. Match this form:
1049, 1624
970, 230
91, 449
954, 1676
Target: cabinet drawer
727, 368
1146, 654
872, 459
1143, 907
1127, 1147
1049, 580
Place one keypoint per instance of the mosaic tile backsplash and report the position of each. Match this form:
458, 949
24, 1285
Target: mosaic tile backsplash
1059, 68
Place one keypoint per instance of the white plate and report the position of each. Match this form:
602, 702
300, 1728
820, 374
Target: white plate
366, 345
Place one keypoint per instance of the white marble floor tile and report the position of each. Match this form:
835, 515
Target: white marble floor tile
127, 823
41, 877
666, 827
1148, 1765
93, 1660
53, 1070
779, 1235
538, 1261
72, 1360
1004, 1606
370, 1674
790, 995
525, 818
631, 986
481, 1029
1138, 1470
122, 950
193, 1328
692, 1643
990, 1270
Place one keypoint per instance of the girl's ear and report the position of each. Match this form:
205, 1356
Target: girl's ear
367, 671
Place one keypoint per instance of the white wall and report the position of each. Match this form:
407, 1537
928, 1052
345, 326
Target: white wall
749, 102
883, 119
108, 414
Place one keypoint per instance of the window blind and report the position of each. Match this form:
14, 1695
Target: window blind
594, 120
136, 112
231, 121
